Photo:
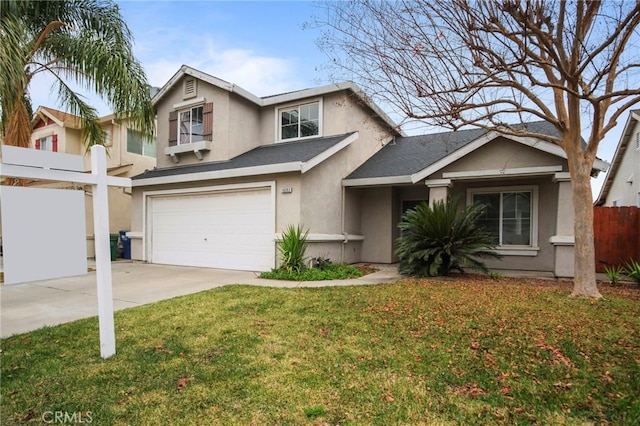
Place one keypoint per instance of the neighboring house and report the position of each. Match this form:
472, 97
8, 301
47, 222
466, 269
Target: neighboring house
234, 170
622, 184
128, 155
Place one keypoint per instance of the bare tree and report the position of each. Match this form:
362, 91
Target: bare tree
497, 65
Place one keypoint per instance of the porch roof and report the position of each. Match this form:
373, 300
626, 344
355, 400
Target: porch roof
407, 160
406, 156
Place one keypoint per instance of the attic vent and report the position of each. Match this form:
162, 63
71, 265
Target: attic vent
638, 141
189, 88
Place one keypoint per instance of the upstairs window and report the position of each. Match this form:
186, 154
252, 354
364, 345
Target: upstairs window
299, 121
137, 144
190, 125
193, 124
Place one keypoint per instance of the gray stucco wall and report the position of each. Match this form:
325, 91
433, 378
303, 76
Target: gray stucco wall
377, 224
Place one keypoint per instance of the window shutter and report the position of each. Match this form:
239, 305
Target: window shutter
37, 143
207, 121
173, 128
54, 143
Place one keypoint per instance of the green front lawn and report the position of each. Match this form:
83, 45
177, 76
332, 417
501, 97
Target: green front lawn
462, 351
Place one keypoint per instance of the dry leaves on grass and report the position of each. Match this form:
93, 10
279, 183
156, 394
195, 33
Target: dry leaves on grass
558, 356
472, 390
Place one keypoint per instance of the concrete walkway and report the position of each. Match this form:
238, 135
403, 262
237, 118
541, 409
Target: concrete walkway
29, 306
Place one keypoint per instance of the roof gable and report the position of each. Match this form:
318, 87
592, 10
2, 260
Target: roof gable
411, 159
61, 118
274, 100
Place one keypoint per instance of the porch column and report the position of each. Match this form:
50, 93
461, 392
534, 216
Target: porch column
564, 240
438, 189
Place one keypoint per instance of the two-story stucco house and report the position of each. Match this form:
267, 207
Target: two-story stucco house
128, 155
234, 170
622, 185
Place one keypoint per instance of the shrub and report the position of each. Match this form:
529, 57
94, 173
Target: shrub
320, 262
292, 248
332, 271
613, 273
436, 240
632, 269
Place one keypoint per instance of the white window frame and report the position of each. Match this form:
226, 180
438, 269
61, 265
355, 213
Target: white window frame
190, 109
278, 125
515, 250
46, 143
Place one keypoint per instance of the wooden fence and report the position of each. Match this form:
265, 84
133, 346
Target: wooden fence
617, 235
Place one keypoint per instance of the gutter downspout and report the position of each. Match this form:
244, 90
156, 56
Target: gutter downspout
342, 220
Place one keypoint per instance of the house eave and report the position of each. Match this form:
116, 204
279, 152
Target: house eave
377, 181
295, 166
288, 167
187, 70
276, 99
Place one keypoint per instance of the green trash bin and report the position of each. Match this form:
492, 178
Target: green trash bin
114, 246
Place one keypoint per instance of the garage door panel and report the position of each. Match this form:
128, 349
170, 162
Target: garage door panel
231, 230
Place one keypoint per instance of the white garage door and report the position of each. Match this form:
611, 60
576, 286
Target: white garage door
225, 229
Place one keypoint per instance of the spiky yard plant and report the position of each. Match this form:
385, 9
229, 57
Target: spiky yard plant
614, 273
632, 269
292, 248
440, 238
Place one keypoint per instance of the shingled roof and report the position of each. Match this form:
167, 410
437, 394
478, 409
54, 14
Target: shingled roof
295, 154
407, 156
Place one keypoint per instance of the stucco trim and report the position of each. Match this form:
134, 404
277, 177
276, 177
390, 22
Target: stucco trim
513, 172
525, 251
438, 183
190, 102
562, 177
328, 238
563, 240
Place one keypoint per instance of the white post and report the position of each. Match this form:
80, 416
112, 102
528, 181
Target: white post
103, 251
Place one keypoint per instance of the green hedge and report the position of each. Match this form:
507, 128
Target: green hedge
334, 271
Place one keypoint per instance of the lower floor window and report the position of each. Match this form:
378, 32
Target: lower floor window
508, 215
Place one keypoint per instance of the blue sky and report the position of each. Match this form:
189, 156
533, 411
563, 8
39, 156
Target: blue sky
263, 46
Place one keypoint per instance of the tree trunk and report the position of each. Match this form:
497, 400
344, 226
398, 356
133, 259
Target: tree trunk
18, 132
584, 284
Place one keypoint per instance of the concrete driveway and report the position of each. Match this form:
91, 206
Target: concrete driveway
29, 306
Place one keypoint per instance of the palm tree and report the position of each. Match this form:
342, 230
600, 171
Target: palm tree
76, 41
